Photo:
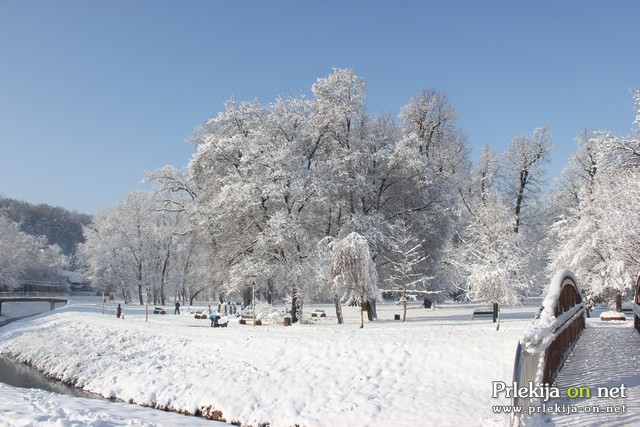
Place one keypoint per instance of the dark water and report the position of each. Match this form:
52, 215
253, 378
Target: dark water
20, 375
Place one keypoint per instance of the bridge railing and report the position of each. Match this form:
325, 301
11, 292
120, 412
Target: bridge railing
32, 294
552, 335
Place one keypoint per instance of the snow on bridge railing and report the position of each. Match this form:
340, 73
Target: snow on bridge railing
550, 338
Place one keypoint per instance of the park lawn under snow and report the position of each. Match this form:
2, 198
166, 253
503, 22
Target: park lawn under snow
436, 369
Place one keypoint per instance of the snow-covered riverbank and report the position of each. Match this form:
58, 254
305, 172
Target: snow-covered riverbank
32, 407
436, 369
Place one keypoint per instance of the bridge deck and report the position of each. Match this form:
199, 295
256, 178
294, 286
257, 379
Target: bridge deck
606, 355
52, 300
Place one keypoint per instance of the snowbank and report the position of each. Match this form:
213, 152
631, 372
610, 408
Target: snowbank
30, 407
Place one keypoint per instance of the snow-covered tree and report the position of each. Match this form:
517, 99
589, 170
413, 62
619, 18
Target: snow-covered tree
26, 257
432, 160
270, 181
406, 258
524, 174
139, 244
492, 255
596, 232
354, 275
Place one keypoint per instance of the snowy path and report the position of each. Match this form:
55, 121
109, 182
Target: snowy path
606, 355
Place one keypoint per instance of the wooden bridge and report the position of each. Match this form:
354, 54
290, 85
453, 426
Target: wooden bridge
52, 299
597, 362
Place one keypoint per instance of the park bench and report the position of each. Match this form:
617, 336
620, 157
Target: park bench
478, 313
319, 313
482, 312
247, 320
159, 310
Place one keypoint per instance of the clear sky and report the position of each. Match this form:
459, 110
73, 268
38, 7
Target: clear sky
95, 93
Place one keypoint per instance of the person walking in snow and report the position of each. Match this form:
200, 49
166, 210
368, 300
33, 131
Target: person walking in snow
177, 310
119, 311
214, 320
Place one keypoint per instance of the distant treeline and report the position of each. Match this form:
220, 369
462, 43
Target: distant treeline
60, 226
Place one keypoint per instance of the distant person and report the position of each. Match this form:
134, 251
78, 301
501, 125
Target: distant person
214, 320
177, 310
119, 311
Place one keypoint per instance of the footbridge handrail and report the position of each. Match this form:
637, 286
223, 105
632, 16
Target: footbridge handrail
550, 338
33, 294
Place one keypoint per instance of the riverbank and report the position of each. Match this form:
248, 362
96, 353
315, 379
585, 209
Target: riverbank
25, 401
320, 374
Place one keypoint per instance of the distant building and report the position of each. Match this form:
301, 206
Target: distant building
77, 284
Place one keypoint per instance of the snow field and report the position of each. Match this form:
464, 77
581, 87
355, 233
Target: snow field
435, 369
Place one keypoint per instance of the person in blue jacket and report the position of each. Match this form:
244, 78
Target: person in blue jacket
214, 320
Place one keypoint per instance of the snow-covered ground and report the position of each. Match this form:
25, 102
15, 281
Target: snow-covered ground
32, 407
434, 370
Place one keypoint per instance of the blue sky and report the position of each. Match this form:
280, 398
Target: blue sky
95, 93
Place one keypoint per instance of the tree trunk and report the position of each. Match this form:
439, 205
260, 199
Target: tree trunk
361, 307
371, 310
336, 301
618, 301
294, 304
195, 294
404, 306
269, 291
246, 296
140, 293
524, 175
